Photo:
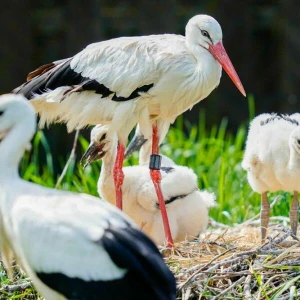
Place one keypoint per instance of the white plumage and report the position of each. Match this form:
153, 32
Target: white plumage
187, 207
148, 80
177, 72
73, 246
272, 160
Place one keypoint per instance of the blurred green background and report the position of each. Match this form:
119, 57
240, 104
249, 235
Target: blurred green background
262, 39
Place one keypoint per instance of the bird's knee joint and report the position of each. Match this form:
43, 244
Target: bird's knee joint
118, 176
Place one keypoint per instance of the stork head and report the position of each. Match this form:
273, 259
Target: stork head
99, 145
295, 139
13, 110
205, 32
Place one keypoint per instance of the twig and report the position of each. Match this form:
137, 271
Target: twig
214, 223
291, 234
257, 222
271, 251
218, 265
229, 288
247, 289
275, 241
16, 287
71, 157
223, 245
198, 271
280, 256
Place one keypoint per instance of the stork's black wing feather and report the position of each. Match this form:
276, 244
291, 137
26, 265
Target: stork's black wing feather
59, 74
147, 278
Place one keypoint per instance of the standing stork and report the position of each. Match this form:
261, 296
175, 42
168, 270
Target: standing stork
73, 246
272, 161
130, 80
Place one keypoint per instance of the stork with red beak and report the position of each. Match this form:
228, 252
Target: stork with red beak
148, 80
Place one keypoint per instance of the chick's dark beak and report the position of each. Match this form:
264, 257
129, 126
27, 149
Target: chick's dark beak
94, 152
136, 143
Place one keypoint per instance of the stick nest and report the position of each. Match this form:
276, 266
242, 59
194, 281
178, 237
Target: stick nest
232, 263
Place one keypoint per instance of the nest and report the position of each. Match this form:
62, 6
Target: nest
226, 263
232, 263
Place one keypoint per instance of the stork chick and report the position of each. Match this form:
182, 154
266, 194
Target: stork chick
187, 207
73, 246
272, 161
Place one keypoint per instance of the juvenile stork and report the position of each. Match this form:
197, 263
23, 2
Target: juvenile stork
187, 207
272, 161
130, 80
73, 246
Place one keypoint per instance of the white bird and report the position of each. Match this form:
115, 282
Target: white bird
187, 207
272, 161
130, 80
73, 246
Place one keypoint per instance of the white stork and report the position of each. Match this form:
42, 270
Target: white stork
187, 207
73, 246
130, 80
272, 161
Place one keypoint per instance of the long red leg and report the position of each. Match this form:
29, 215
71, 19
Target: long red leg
119, 175
156, 179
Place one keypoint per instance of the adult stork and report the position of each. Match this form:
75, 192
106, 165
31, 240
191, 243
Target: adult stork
129, 80
73, 246
272, 161
187, 207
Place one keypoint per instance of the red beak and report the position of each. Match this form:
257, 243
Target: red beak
219, 53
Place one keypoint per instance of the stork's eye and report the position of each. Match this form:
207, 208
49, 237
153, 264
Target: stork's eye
1, 113
205, 33
103, 137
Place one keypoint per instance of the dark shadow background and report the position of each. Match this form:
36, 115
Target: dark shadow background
261, 37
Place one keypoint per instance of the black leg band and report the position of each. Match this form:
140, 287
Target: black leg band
155, 162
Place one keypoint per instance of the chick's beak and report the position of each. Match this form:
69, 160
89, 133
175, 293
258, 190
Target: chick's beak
136, 143
94, 152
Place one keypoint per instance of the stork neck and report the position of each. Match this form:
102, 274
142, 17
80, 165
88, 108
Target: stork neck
200, 53
13, 146
144, 154
108, 160
208, 69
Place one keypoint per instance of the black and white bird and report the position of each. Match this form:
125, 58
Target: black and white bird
272, 161
73, 246
187, 207
148, 80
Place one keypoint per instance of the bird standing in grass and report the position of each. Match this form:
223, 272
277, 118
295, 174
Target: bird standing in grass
73, 246
187, 207
272, 161
148, 80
